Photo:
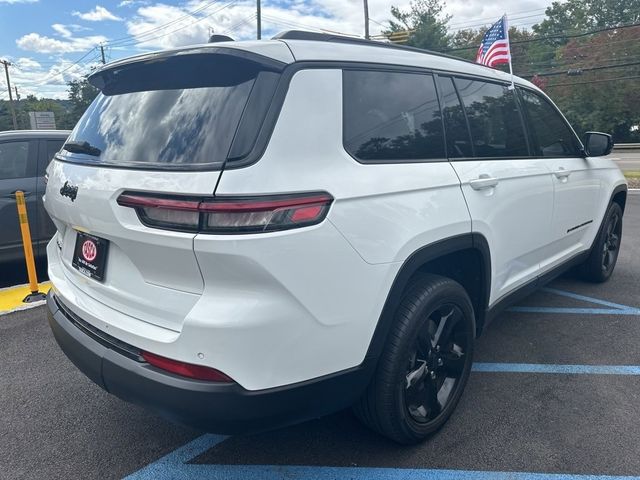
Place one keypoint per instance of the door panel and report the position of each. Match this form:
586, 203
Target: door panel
17, 170
577, 198
509, 196
510, 202
576, 180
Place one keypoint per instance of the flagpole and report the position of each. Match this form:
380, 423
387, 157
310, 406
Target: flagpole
506, 27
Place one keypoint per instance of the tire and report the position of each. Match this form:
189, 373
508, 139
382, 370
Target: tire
604, 253
428, 353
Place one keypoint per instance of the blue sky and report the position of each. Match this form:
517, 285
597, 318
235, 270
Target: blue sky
51, 42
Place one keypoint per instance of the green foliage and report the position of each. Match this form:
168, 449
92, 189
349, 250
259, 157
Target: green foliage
577, 15
67, 112
81, 94
604, 99
426, 22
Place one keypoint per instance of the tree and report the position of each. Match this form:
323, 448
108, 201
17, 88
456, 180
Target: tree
606, 99
579, 15
426, 23
81, 94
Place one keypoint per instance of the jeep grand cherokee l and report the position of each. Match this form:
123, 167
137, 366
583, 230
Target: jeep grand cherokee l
266, 232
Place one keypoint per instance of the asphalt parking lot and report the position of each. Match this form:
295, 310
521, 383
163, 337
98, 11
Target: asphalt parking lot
555, 395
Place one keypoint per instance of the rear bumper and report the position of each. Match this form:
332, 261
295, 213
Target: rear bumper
215, 407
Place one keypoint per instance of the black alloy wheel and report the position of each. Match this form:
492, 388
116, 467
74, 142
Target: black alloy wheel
437, 363
425, 363
611, 244
604, 254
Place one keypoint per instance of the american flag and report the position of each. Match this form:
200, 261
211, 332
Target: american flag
494, 49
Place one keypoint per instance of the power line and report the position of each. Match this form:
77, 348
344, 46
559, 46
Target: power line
600, 80
164, 25
239, 24
146, 40
553, 37
588, 69
294, 24
53, 74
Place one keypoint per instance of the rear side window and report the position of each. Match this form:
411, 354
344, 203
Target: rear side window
181, 112
494, 119
457, 133
391, 116
15, 160
551, 136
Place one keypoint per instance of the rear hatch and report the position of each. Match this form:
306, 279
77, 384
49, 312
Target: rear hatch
163, 124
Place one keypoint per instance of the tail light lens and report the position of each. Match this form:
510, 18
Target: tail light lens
229, 215
183, 369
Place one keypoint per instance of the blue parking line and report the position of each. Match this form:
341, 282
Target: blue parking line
614, 308
558, 369
584, 298
578, 311
175, 466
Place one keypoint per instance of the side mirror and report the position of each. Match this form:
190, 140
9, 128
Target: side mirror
597, 144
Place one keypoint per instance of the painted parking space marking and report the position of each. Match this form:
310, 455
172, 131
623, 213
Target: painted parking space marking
11, 298
557, 369
175, 466
612, 308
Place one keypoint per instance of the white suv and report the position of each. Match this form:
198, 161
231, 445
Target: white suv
253, 234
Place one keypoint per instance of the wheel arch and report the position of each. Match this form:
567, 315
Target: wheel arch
619, 196
465, 258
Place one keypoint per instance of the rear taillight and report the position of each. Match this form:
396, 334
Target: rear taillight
226, 215
183, 369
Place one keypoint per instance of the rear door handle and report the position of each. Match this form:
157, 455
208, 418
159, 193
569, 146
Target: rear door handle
483, 182
562, 173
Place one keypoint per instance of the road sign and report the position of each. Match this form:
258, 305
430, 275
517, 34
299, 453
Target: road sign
42, 120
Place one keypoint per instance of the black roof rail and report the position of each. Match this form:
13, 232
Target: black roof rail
330, 37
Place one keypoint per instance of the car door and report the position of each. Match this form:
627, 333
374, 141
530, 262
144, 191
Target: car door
509, 194
17, 172
47, 149
575, 178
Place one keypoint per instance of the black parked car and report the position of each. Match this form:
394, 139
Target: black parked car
24, 156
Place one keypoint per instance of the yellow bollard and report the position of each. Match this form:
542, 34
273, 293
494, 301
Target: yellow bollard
35, 295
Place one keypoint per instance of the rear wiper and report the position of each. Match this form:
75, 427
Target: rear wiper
82, 147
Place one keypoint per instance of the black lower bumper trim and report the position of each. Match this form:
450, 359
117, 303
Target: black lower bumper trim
214, 407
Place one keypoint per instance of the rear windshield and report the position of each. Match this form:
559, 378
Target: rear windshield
180, 112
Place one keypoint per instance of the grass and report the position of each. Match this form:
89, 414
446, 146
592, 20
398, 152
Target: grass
632, 174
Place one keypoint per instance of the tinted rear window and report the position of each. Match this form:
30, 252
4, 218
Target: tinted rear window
181, 112
391, 116
496, 125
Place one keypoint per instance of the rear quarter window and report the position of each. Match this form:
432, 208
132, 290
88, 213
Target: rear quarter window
391, 117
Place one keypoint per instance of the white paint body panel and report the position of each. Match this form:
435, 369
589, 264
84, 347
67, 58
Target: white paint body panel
514, 217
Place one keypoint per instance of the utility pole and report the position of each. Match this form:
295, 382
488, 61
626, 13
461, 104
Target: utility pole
366, 19
102, 53
258, 20
13, 112
15, 87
